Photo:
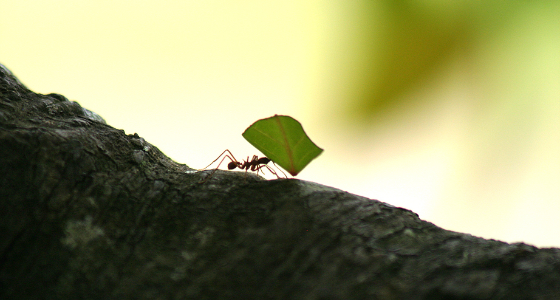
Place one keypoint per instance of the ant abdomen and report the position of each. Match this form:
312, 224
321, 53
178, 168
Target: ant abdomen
232, 165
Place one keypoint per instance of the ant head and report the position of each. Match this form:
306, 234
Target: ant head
263, 160
232, 165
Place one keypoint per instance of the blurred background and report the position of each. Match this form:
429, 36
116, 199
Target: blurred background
447, 108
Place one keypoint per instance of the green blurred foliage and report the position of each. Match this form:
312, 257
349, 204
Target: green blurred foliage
407, 43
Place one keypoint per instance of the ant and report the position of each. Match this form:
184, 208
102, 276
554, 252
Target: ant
255, 164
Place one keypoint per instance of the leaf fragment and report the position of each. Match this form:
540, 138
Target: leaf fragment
283, 140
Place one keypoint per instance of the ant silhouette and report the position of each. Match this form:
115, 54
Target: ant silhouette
255, 164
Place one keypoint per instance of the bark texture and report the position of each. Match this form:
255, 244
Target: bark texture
89, 212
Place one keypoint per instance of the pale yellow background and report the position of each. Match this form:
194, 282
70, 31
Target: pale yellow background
190, 76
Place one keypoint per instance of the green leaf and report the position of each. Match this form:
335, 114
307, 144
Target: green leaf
282, 140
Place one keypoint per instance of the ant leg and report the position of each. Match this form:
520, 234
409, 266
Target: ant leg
232, 158
272, 171
261, 169
213, 171
277, 167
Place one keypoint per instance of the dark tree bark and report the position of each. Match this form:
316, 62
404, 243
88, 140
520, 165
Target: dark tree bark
89, 212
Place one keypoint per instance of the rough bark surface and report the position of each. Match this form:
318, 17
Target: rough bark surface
89, 212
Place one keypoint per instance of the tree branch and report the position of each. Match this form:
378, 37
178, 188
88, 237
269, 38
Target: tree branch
87, 211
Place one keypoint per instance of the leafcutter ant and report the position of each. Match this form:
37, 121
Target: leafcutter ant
255, 164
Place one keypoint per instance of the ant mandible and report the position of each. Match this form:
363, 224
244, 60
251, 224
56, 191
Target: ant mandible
255, 164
